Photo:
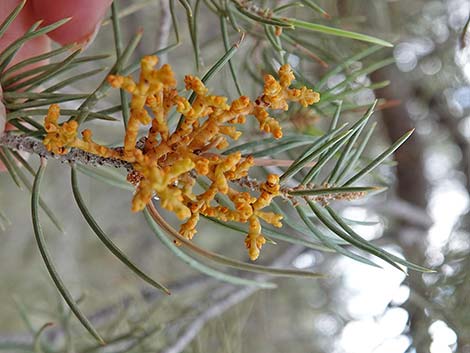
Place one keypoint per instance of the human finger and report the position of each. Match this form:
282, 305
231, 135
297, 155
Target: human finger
86, 16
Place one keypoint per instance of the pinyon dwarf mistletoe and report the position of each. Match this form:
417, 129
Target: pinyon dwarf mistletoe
169, 162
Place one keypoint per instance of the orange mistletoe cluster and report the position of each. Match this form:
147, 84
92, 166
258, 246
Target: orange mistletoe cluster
170, 162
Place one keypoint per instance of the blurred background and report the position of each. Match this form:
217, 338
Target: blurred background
357, 309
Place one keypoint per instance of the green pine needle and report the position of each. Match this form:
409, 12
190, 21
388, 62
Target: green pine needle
48, 260
197, 265
376, 162
336, 32
113, 248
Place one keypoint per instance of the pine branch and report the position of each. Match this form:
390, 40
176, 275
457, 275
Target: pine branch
28, 144
278, 35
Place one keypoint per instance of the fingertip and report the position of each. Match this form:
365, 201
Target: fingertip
86, 16
18, 28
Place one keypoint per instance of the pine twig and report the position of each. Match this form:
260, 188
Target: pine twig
32, 145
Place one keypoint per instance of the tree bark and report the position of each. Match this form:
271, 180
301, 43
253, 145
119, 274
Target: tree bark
411, 186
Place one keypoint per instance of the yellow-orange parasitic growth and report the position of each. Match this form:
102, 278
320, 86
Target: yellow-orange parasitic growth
170, 161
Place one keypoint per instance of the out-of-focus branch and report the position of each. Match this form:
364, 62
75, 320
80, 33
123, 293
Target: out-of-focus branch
402, 210
103, 315
165, 27
236, 296
232, 296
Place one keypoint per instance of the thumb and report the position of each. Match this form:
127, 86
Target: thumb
86, 18
3, 114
